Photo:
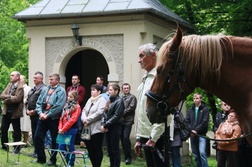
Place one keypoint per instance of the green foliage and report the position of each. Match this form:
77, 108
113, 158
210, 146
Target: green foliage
14, 44
26, 160
215, 16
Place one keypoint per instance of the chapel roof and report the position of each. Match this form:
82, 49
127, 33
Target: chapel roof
46, 9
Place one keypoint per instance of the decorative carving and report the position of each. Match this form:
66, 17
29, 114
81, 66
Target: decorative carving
110, 46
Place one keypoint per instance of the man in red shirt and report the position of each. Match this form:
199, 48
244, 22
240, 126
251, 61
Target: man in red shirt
79, 88
81, 95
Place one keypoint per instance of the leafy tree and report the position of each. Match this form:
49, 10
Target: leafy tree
13, 42
232, 17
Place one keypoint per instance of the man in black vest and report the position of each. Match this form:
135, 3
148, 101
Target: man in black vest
31, 104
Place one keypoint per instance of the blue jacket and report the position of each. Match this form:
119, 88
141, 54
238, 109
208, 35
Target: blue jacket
57, 101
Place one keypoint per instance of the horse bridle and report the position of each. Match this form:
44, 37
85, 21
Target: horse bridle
162, 101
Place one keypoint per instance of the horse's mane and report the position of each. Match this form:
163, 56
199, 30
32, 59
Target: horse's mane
201, 56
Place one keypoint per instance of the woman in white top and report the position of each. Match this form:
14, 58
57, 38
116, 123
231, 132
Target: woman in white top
91, 118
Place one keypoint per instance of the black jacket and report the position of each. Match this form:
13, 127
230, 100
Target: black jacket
201, 125
130, 103
219, 118
114, 113
33, 97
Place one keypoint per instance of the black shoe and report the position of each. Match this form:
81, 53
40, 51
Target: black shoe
51, 163
4, 148
128, 161
39, 162
24, 146
34, 155
17, 150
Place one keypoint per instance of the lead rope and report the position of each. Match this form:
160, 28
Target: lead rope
208, 138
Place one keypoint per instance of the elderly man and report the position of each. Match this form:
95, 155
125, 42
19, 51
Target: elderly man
31, 103
151, 135
49, 107
12, 98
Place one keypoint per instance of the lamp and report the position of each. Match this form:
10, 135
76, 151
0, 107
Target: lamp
75, 30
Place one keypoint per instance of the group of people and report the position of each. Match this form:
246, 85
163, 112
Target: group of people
59, 111
110, 115
226, 129
114, 118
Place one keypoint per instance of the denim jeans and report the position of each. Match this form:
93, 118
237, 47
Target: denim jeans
198, 145
175, 156
48, 139
71, 148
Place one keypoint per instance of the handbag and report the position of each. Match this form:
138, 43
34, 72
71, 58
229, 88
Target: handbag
214, 145
86, 133
184, 131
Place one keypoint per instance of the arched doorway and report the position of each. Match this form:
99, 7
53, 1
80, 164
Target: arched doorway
87, 64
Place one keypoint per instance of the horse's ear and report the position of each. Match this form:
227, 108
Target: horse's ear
176, 40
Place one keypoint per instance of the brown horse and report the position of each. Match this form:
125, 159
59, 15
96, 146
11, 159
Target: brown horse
219, 64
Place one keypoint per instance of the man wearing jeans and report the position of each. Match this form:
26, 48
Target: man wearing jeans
49, 107
197, 119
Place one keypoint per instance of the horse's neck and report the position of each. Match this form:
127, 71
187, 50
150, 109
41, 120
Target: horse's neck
242, 47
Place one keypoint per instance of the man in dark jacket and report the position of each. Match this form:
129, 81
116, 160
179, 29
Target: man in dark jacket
12, 98
31, 104
221, 116
130, 103
197, 119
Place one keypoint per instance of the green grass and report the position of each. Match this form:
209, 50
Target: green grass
25, 160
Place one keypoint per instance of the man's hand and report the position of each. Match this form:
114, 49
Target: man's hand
150, 143
5, 96
60, 132
138, 149
193, 134
85, 123
104, 130
30, 112
43, 116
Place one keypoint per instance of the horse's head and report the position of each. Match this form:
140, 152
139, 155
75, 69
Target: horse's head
167, 88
